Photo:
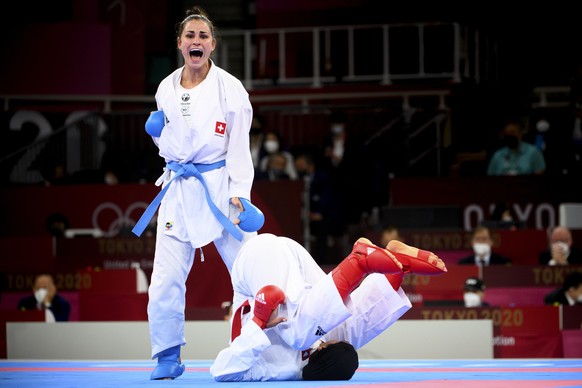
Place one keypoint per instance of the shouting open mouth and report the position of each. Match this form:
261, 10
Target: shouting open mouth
195, 52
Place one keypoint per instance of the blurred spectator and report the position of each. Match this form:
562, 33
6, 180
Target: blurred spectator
276, 168
227, 308
542, 128
273, 145
474, 293
57, 224
325, 220
344, 158
572, 141
517, 157
569, 294
256, 140
561, 250
54, 172
390, 233
45, 297
503, 217
336, 144
482, 245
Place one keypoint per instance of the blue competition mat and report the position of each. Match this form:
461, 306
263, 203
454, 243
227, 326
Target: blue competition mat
531, 373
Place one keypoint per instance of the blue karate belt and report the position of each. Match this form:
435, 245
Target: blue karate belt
188, 170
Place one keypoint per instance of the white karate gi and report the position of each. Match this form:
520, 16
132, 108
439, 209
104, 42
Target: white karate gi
313, 307
185, 221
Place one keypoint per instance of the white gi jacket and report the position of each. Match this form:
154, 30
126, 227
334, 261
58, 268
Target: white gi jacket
184, 211
313, 307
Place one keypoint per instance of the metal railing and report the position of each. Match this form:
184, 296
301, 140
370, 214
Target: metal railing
552, 97
313, 56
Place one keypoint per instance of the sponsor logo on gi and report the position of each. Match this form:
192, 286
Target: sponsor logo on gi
169, 225
185, 97
320, 331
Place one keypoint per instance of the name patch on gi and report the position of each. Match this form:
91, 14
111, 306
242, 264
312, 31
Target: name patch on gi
220, 128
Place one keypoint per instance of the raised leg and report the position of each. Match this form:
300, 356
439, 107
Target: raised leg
364, 259
395, 279
415, 260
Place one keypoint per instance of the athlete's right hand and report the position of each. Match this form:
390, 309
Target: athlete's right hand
267, 300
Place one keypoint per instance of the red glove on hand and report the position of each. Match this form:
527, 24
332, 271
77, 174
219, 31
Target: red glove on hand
266, 301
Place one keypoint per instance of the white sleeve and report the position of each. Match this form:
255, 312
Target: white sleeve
239, 162
241, 361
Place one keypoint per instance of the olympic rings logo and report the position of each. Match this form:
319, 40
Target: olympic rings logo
120, 219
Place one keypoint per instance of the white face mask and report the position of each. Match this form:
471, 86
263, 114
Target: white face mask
471, 299
562, 246
336, 129
481, 249
40, 294
271, 146
542, 125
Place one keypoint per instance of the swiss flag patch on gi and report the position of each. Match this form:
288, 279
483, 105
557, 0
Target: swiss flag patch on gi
220, 128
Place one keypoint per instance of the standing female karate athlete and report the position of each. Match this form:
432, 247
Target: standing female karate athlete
202, 131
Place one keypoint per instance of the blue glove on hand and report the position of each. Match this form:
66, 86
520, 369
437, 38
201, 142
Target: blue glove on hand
252, 218
155, 123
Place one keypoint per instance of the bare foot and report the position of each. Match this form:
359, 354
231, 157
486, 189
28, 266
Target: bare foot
364, 240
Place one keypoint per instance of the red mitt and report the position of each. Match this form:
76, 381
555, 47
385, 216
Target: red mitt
267, 300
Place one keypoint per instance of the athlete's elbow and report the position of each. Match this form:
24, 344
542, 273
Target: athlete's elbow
227, 378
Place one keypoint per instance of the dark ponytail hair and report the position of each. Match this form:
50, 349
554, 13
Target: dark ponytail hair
195, 12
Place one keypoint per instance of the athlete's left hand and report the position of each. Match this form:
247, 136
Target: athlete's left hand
235, 201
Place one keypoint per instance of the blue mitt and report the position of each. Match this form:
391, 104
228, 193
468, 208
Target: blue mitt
252, 218
155, 123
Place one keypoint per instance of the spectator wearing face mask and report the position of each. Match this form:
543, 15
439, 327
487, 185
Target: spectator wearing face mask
256, 139
276, 168
483, 255
349, 165
516, 157
561, 250
273, 147
569, 294
474, 293
325, 218
45, 297
335, 147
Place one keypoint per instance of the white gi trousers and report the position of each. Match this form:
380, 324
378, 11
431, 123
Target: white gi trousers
172, 264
